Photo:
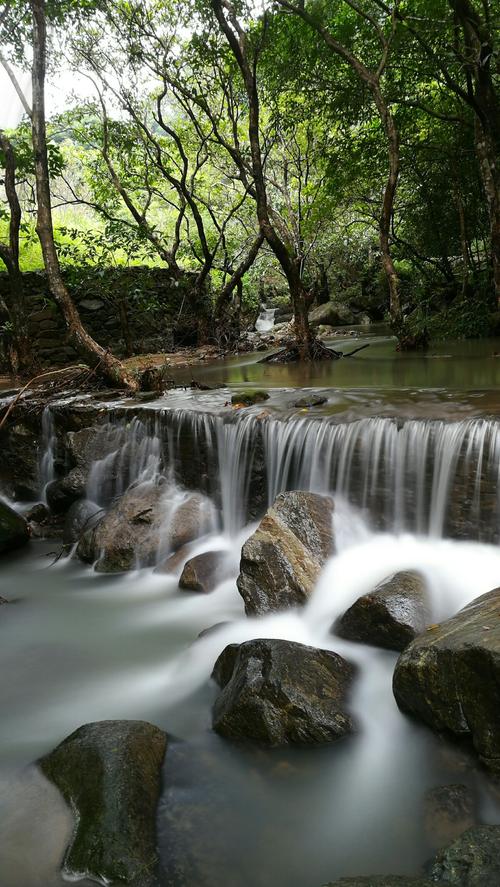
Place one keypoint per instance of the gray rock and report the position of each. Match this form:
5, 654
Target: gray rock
109, 772
281, 562
331, 314
449, 677
449, 810
204, 572
473, 860
19, 470
62, 493
91, 304
132, 531
14, 530
277, 693
391, 616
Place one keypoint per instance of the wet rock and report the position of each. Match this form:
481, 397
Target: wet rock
281, 562
391, 616
4, 601
381, 881
449, 677
473, 860
37, 514
191, 519
82, 516
131, 532
204, 572
174, 562
19, 464
248, 398
331, 314
311, 400
449, 810
109, 772
14, 530
61, 494
212, 629
278, 692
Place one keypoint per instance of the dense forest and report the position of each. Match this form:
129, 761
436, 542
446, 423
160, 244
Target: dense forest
309, 153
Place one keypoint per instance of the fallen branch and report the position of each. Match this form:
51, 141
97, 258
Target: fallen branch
30, 383
356, 350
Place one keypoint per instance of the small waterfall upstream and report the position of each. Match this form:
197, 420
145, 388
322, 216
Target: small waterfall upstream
429, 477
46, 466
265, 320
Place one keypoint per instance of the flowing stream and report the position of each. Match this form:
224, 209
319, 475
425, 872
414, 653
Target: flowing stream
77, 646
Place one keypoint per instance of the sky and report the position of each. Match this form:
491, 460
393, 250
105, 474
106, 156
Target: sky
57, 94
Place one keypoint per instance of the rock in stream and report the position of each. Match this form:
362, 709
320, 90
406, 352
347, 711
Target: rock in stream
14, 530
281, 562
109, 774
278, 692
449, 677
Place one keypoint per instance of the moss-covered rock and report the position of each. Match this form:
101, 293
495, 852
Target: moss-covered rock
278, 692
473, 860
249, 397
449, 677
109, 774
14, 530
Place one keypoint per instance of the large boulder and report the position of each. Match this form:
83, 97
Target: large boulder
109, 772
450, 676
19, 467
331, 314
281, 562
391, 616
14, 530
63, 492
473, 860
143, 520
278, 692
204, 572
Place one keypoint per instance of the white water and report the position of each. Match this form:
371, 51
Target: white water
265, 320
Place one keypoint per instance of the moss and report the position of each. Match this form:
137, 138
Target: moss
250, 397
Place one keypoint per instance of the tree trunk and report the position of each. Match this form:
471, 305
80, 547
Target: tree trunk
490, 175
236, 278
93, 353
290, 263
21, 355
385, 221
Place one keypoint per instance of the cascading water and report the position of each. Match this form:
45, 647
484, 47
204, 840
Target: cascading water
426, 476
122, 641
265, 320
46, 467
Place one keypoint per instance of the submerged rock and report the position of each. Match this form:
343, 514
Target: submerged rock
109, 772
204, 572
281, 562
449, 810
278, 692
450, 676
248, 398
311, 400
145, 517
14, 530
473, 860
391, 616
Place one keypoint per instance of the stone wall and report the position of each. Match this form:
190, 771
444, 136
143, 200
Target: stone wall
131, 310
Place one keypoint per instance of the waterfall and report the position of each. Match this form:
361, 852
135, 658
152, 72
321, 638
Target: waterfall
46, 462
265, 320
426, 476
